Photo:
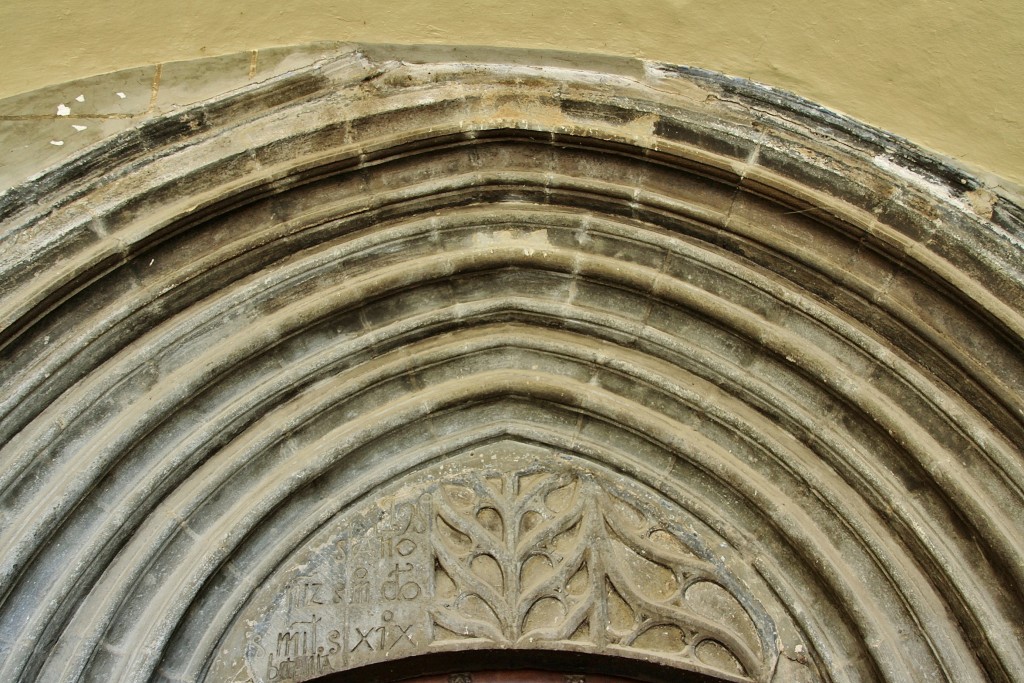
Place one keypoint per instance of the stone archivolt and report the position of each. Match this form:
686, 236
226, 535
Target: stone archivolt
232, 326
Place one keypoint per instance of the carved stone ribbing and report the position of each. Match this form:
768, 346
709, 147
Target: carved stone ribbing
240, 319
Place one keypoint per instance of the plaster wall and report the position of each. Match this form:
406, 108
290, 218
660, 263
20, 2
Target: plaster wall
945, 75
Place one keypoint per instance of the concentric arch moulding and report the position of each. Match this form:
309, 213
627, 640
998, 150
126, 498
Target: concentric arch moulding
230, 319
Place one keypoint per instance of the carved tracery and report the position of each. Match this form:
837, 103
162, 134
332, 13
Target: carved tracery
518, 552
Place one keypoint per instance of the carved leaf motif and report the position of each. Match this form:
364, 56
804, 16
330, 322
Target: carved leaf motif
508, 527
552, 556
457, 510
673, 611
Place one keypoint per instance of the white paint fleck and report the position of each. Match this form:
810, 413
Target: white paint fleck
80, 98
63, 110
121, 95
918, 180
798, 649
78, 127
57, 142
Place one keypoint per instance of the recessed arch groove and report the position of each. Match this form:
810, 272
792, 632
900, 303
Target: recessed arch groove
993, 382
416, 409
793, 298
183, 390
763, 388
173, 517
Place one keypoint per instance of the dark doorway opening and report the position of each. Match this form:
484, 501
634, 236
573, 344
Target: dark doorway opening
518, 666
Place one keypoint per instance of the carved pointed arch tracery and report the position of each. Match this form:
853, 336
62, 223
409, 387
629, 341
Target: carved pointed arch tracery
388, 356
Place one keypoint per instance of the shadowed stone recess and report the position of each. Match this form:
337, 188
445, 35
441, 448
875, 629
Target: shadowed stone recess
389, 357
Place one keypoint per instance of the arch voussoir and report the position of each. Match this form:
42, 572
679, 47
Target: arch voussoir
385, 358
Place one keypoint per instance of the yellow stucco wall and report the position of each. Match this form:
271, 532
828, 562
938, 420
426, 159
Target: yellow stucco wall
946, 75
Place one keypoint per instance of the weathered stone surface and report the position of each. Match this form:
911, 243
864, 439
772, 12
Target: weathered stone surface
510, 546
240, 333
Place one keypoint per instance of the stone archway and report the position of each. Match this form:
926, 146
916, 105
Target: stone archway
636, 361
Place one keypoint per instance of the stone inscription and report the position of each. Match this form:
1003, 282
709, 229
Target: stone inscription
530, 552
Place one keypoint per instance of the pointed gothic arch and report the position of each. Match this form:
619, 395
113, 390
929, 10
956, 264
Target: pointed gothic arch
650, 362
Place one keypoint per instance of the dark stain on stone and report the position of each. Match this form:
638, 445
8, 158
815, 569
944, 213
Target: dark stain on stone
600, 111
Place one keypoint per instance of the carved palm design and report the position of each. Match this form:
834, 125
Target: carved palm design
552, 556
